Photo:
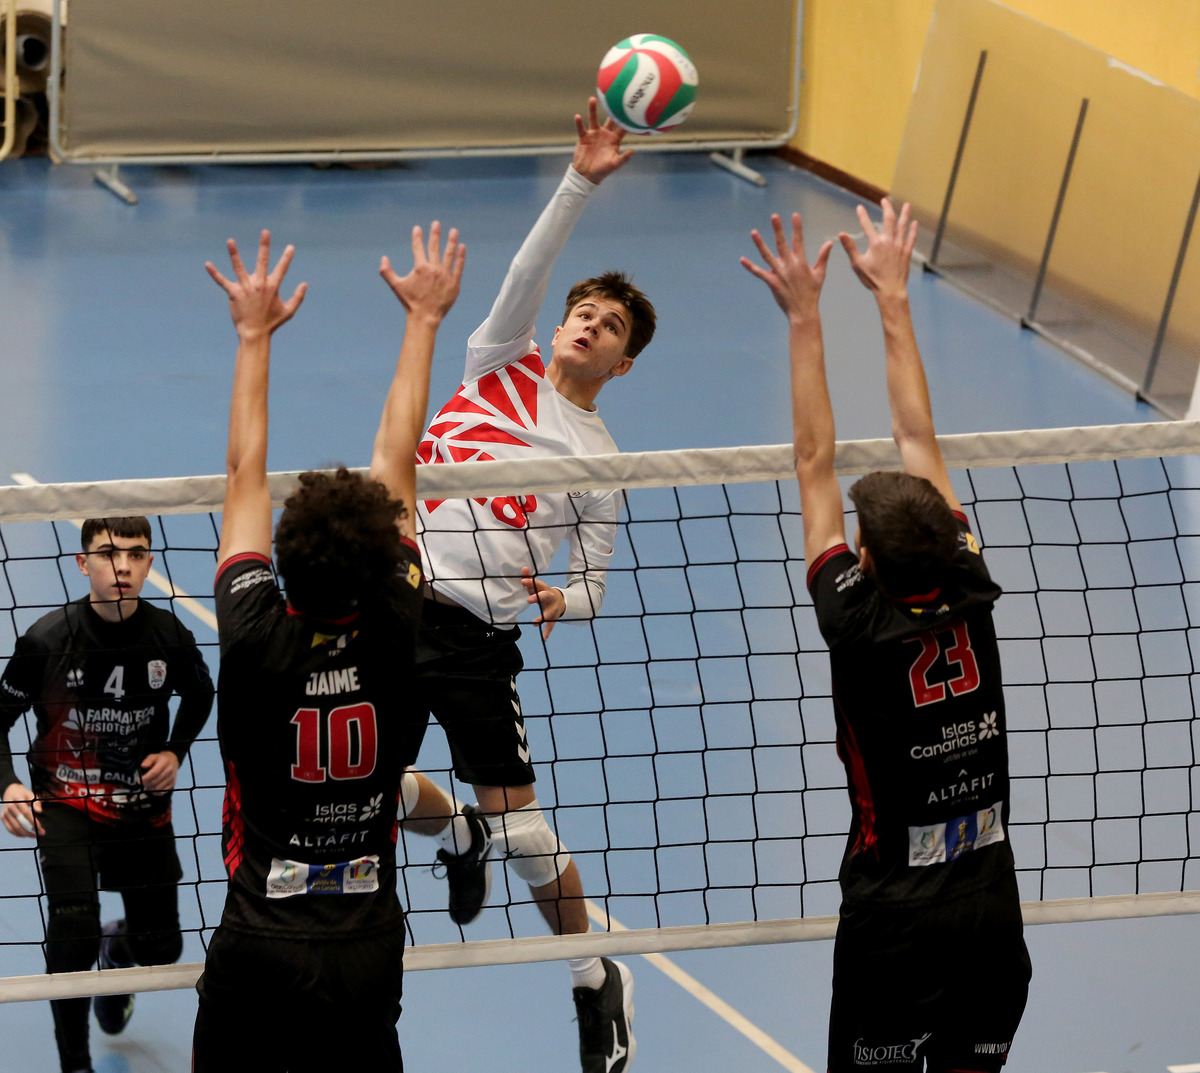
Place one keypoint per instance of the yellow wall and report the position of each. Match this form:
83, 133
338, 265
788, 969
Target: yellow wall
861, 59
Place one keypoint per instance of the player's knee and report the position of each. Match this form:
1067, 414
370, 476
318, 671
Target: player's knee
410, 793
533, 849
72, 936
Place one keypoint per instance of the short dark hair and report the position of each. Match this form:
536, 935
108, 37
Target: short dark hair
617, 287
130, 528
337, 542
909, 529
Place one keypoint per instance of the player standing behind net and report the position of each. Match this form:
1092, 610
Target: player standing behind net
315, 709
482, 560
99, 674
930, 911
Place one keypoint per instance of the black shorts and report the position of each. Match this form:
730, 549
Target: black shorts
79, 855
466, 674
944, 984
304, 1005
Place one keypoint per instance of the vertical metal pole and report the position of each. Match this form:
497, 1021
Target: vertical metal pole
958, 155
1161, 335
1031, 316
11, 86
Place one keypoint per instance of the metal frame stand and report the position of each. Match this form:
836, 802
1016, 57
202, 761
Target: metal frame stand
1161, 335
1030, 318
110, 179
10, 80
930, 265
734, 164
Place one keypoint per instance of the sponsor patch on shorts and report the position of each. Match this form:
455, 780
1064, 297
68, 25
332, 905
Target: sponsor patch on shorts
290, 878
943, 842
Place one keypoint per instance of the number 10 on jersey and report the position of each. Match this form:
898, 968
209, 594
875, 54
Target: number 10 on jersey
345, 739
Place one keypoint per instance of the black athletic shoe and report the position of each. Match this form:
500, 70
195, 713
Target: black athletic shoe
469, 874
606, 1043
112, 1011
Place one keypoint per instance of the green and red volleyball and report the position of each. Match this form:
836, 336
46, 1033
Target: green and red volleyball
647, 83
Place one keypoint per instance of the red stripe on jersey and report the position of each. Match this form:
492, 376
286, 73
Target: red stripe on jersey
491, 389
533, 362
231, 820
488, 433
851, 756
822, 559
527, 389
239, 557
345, 620
921, 598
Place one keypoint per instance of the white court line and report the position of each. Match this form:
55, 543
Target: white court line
702, 994
1193, 1068
159, 581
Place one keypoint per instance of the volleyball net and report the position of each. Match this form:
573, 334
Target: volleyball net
684, 739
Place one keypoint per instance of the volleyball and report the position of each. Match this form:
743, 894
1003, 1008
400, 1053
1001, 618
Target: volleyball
647, 83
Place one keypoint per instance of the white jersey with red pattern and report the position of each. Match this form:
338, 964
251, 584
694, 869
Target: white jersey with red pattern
507, 408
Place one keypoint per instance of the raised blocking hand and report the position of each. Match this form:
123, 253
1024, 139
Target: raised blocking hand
431, 288
254, 301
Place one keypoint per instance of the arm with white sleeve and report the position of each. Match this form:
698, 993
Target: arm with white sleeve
507, 334
590, 549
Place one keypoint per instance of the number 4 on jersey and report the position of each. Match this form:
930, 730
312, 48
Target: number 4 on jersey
350, 743
958, 655
116, 683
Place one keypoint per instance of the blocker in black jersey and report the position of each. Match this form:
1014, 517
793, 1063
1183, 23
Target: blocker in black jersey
919, 709
931, 973
316, 725
100, 691
919, 706
316, 716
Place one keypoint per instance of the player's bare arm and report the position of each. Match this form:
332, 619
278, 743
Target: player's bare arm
598, 149
257, 311
20, 811
883, 269
796, 286
427, 294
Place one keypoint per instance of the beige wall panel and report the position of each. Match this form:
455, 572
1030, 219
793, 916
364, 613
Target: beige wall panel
143, 76
1136, 169
861, 58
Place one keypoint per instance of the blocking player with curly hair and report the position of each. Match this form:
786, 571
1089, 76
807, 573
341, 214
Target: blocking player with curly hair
315, 724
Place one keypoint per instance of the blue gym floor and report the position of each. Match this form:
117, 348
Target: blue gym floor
117, 354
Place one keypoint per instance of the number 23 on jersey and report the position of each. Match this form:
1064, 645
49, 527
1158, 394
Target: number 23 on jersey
952, 665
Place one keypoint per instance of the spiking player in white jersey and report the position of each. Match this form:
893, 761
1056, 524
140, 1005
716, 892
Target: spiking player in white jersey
483, 557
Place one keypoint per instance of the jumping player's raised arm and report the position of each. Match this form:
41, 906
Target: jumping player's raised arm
598, 154
427, 293
257, 311
796, 286
883, 270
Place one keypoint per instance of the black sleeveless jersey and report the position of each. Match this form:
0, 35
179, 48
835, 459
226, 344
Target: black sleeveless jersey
919, 708
100, 691
316, 727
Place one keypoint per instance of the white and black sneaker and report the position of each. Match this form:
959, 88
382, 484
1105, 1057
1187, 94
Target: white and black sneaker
469, 874
606, 1043
112, 1011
